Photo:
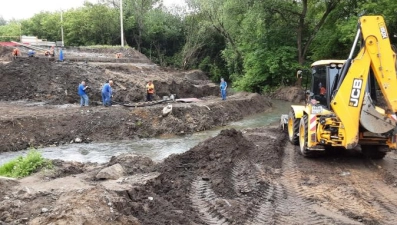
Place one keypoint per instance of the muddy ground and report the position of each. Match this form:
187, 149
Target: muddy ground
24, 125
39, 105
253, 176
248, 177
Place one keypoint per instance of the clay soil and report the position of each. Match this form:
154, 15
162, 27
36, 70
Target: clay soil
253, 176
238, 177
39, 105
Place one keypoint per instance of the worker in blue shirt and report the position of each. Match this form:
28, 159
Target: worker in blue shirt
83, 95
223, 87
107, 93
61, 55
31, 53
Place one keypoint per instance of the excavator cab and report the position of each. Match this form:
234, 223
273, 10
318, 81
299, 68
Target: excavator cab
324, 75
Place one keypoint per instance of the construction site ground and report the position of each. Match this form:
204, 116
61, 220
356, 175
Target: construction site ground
253, 176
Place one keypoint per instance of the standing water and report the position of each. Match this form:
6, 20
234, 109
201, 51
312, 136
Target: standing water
154, 148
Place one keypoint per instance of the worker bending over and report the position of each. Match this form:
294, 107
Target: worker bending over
31, 53
107, 93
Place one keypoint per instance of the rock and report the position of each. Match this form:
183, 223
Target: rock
132, 163
167, 109
113, 172
44, 210
78, 140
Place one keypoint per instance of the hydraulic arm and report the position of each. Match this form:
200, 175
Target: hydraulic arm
351, 104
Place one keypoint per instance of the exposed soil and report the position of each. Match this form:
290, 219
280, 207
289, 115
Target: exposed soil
253, 176
56, 83
25, 124
248, 177
289, 93
39, 105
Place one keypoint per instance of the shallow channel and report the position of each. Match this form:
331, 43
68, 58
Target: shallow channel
155, 148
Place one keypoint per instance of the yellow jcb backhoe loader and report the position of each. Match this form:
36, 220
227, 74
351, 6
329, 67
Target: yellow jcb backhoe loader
341, 109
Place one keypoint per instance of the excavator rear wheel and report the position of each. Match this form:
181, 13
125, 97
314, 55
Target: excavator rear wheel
293, 128
303, 136
374, 151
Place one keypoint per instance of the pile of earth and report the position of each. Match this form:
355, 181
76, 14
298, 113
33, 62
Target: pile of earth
23, 125
56, 83
289, 93
211, 179
180, 192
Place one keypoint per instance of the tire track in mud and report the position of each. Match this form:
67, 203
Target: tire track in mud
204, 200
299, 201
349, 188
296, 194
356, 190
254, 190
382, 197
249, 200
261, 187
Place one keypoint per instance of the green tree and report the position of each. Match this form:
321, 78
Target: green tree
135, 12
163, 35
10, 31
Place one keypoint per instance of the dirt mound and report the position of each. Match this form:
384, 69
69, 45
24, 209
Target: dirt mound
41, 80
289, 93
169, 195
5, 52
210, 166
23, 125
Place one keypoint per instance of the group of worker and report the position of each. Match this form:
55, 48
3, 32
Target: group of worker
31, 53
17, 53
107, 93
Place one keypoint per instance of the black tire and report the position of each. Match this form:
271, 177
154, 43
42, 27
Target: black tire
293, 128
303, 137
374, 151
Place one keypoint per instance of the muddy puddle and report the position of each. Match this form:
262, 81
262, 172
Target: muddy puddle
155, 148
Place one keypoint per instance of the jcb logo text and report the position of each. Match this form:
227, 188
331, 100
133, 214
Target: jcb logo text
355, 93
383, 31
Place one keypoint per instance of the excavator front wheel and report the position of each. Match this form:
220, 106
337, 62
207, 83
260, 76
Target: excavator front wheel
374, 151
293, 128
303, 136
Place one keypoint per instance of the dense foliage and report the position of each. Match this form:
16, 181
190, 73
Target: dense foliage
255, 44
24, 166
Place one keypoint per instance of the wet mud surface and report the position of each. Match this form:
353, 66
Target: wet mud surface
23, 125
253, 176
248, 177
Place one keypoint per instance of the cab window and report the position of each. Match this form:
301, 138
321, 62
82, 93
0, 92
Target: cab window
319, 80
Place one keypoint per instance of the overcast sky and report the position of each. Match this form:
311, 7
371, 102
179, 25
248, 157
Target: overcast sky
23, 9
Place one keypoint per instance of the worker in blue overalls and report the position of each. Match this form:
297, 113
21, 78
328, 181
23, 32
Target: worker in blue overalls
223, 87
107, 93
31, 53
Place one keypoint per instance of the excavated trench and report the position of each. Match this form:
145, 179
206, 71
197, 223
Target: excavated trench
155, 148
253, 176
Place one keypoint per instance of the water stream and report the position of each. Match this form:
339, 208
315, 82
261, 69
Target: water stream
155, 148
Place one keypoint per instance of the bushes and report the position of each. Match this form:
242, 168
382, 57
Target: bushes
24, 166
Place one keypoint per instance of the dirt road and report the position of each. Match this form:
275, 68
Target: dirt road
248, 177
